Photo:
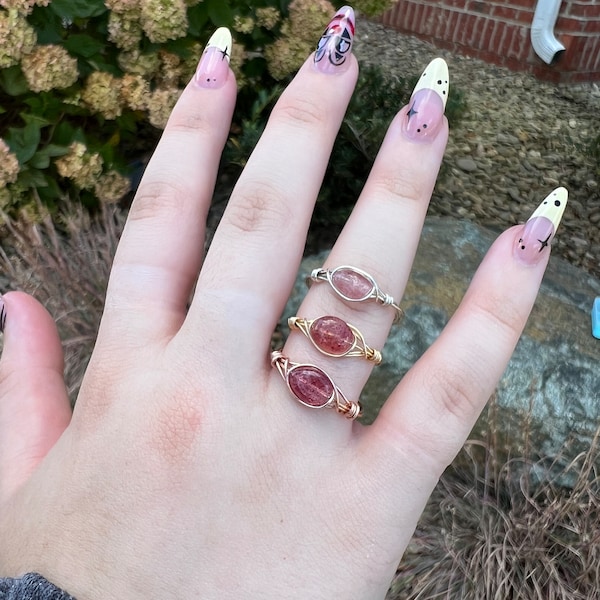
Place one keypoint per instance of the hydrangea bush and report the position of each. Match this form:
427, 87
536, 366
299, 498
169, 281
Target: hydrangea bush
87, 85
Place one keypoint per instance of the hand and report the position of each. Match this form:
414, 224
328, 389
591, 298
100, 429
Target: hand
188, 469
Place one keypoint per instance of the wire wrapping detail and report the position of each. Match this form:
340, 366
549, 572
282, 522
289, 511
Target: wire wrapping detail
354, 285
312, 387
333, 337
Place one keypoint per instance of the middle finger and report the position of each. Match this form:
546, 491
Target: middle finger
257, 247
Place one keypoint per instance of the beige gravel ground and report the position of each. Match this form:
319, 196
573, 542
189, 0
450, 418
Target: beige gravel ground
520, 138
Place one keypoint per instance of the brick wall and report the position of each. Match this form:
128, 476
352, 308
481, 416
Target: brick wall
498, 31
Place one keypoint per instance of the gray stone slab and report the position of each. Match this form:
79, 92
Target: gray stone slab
551, 388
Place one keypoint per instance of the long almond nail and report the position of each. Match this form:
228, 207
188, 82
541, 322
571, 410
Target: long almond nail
539, 231
427, 104
213, 68
335, 46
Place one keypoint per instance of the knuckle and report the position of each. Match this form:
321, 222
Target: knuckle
400, 184
189, 123
454, 390
498, 311
158, 198
300, 111
260, 208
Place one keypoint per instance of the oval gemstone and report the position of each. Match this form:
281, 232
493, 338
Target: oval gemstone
311, 385
350, 284
331, 335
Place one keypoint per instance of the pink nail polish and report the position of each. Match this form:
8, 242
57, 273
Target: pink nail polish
213, 68
335, 46
424, 115
539, 231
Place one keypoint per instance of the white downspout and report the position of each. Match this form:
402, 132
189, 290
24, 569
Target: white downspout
543, 40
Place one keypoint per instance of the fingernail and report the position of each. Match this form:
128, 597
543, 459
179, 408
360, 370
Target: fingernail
539, 231
213, 68
335, 46
425, 112
2, 315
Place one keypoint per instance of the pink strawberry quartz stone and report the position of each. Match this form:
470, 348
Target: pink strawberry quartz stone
311, 386
331, 335
351, 284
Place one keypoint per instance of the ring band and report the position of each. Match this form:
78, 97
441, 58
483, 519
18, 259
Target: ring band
354, 285
333, 337
312, 387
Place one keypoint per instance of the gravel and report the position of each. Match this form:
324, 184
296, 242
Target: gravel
518, 139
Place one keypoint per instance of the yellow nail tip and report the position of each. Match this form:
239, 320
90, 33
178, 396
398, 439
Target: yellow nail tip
435, 77
553, 206
222, 40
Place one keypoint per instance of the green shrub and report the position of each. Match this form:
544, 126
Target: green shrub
87, 85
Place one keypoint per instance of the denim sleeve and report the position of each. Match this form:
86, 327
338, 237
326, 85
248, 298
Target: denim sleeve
31, 586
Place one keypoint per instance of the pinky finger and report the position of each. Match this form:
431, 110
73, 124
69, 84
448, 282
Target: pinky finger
34, 406
433, 409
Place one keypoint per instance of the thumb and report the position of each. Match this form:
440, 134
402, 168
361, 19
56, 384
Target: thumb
34, 406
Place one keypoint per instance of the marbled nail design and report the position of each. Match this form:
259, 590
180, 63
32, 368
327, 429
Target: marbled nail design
2, 315
540, 229
428, 102
335, 45
213, 68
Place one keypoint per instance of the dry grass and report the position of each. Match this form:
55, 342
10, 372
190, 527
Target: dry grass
508, 529
66, 267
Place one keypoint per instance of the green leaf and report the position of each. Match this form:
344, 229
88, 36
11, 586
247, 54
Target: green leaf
219, 12
41, 159
84, 45
13, 81
23, 141
33, 119
74, 9
197, 18
32, 178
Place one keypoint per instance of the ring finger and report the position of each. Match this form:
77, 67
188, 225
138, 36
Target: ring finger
383, 231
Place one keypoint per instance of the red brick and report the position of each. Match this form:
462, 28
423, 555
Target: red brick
590, 11
416, 22
522, 3
524, 17
409, 8
569, 24
480, 7
591, 26
428, 20
505, 12
475, 31
486, 34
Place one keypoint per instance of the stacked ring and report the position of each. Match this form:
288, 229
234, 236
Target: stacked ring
312, 387
354, 285
333, 337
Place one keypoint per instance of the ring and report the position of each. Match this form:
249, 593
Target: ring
312, 387
354, 285
333, 337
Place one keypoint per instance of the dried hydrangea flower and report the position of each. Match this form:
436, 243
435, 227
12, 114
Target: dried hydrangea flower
17, 37
124, 29
81, 166
9, 165
101, 94
111, 187
49, 67
160, 105
134, 92
163, 20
